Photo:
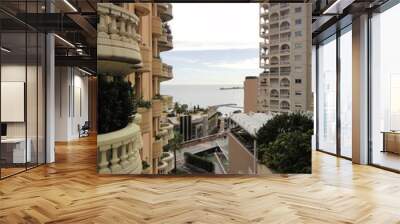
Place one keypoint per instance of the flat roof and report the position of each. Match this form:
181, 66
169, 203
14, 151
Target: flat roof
251, 122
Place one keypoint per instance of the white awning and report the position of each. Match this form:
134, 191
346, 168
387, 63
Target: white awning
252, 122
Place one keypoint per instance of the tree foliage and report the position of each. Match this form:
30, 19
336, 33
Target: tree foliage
284, 143
289, 153
115, 104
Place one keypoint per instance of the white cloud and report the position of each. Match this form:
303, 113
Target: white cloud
250, 63
210, 26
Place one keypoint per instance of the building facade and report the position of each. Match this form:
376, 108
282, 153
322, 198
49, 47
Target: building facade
250, 94
146, 70
285, 57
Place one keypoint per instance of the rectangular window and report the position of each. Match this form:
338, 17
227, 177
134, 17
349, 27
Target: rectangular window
298, 93
298, 21
297, 9
298, 34
297, 81
298, 45
327, 95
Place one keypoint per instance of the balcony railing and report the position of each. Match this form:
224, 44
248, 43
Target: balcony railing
167, 73
166, 12
169, 128
157, 107
168, 158
285, 51
119, 150
283, 28
117, 41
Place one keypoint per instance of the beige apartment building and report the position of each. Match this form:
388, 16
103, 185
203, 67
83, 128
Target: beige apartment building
250, 94
285, 57
144, 31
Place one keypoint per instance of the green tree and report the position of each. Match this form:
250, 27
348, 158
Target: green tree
174, 145
289, 153
282, 123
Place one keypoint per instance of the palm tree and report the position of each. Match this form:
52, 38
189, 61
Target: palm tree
175, 144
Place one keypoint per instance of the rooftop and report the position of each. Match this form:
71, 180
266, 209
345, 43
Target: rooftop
251, 122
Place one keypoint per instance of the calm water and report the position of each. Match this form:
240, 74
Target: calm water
205, 95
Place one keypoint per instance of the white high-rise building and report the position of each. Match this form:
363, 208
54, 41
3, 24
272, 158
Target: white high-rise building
285, 56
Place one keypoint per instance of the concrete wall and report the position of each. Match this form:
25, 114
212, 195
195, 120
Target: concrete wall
71, 102
240, 160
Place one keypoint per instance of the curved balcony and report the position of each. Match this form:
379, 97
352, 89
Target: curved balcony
157, 107
157, 67
163, 133
170, 129
156, 26
162, 168
264, 45
146, 119
166, 43
167, 102
167, 73
168, 158
264, 14
157, 148
165, 11
285, 105
119, 150
117, 41
142, 9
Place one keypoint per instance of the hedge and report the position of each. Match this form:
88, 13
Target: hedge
199, 162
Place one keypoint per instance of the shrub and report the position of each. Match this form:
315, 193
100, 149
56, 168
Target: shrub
199, 162
145, 165
115, 104
289, 153
282, 123
144, 103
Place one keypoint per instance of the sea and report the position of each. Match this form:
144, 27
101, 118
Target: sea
206, 95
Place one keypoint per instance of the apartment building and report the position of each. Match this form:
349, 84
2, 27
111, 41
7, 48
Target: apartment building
148, 35
285, 57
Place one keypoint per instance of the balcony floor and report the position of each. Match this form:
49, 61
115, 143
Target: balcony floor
70, 191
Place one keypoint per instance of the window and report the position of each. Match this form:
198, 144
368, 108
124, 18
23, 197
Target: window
298, 34
298, 45
297, 9
298, 93
298, 105
297, 81
297, 21
346, 94
327, 95
385, 87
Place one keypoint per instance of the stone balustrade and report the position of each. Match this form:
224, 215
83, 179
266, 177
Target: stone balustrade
165, 11
162, 169
167, 102
118, 151
117, 41
168, 158
167, 73
170, 129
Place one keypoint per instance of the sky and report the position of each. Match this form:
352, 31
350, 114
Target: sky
214, 43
